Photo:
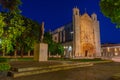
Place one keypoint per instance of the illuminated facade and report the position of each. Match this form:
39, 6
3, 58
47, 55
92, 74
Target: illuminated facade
81, 37
110, 50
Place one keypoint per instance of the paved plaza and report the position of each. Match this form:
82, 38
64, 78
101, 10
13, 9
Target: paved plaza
102, 71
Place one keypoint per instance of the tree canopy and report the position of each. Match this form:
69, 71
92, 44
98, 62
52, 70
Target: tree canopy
17, 33
111, 9
53, 47
13, 29
11, 5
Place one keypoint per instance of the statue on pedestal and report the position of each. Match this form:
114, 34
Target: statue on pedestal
42, 32
41, 48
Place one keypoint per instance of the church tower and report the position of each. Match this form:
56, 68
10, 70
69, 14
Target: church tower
96, 34
76, 34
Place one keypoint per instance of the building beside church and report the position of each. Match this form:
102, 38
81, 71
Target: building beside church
81, 37
110, 50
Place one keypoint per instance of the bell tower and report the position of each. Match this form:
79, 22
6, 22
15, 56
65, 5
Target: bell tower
76, 30
96, 34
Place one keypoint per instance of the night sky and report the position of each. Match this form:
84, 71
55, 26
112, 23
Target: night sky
56, 13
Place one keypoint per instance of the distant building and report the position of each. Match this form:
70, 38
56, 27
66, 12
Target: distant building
110, 50
81, 37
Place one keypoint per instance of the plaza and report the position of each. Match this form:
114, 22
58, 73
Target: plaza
59, 40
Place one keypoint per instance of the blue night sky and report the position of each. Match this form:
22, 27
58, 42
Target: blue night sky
59, 12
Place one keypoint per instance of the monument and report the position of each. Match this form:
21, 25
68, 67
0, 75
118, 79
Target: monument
81, 37
86, 37
41, 49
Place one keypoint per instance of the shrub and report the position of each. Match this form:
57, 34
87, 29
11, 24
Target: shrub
4, 67
3, 59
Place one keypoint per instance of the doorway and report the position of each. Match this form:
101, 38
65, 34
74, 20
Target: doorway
86, 53
87, 49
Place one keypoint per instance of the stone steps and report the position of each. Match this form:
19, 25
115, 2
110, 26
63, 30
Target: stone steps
18, 72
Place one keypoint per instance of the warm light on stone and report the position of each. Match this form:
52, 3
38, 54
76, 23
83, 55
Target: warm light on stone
86, 34
82, 34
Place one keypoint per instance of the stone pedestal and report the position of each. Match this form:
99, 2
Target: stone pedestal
40, 52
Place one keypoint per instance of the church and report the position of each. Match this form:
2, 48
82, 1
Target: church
81, 37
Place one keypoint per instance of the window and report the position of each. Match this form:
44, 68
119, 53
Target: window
115, 49
76, 13
108, 49
55, 38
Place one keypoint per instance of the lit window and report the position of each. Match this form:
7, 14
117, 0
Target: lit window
70, 48
66, 46
115, 49
108, 49
116, 54
55, 38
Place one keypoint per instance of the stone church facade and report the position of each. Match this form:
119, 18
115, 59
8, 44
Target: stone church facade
81, 37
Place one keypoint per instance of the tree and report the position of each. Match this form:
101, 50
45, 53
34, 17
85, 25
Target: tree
11, 5
48, 39
111, 9
19, 33
2, 25
29, 36
53, 47
60, 49
13, 29
14, 23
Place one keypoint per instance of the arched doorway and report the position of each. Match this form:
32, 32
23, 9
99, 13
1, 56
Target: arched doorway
87, 50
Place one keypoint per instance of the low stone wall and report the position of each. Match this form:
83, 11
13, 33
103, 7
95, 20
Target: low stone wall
17, 72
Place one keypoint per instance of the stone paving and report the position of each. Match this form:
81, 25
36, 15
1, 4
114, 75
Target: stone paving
33, 70
102, 71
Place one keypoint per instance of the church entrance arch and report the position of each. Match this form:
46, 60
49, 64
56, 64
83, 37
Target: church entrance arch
86, 53
87, 50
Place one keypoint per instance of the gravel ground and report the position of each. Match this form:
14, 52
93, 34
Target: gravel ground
102, 71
